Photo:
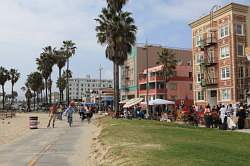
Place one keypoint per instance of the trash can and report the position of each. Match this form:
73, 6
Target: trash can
33, 122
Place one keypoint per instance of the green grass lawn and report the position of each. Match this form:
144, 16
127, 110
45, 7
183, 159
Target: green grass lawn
144, 143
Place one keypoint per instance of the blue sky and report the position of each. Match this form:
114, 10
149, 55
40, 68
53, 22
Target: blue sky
29, 25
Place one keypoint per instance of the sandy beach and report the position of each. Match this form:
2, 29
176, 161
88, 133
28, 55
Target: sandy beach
13, 128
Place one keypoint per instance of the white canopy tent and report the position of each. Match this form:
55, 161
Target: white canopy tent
124, 101
161, 102
132, 102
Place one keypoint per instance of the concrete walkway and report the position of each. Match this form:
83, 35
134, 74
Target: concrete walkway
59, 146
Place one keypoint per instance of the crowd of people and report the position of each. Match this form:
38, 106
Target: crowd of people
220, 116
57, 111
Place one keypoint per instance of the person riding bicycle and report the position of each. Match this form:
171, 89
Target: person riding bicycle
69, 113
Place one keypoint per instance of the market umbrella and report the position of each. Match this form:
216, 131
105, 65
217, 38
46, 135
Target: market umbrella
132, 102
160, 102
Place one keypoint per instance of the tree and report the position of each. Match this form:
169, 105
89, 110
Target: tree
61, 84
60, 59
14, 76
45, 66
28, 96
117, 31
168, 61
34, 81
69, 49
4, 77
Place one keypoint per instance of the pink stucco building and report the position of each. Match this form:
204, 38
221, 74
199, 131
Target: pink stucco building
179, 88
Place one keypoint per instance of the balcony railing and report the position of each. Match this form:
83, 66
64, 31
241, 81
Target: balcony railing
152, 91
209, 61
151, 79
209, 82
210, 41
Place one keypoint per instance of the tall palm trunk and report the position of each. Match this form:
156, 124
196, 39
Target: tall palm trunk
46, 91
3, 96
34, 100
60, 92
28, 104
67, 75
37, 98
50, 87
116, 89
12, 96
114, 83
41, 96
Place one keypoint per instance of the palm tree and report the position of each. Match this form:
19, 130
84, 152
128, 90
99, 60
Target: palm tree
50, 82
61, 84
14, 76
45, 66
69, 49
4, 77
168, 61
34, 81
28, 96
60, 60
117, 31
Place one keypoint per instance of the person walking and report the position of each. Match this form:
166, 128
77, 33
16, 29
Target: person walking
60, 111
207, 116
88, 113
82, 112
69, 113
52, 115
242, 116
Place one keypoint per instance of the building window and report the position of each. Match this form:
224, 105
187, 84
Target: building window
190, 74
200, 76
199, 58
241, 72
240, 49
225, 73
239, 29
190, 86
172, 86
225, 94
224, 31
198, 40
200, 95
224, 52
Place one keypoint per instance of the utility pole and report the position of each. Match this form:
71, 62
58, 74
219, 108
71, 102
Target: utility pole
100, 85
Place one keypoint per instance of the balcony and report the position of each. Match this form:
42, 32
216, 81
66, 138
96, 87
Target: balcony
152, 91
143, 80
209, 82
210, 41
209, 61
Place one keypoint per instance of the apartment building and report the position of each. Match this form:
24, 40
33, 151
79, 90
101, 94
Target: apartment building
137, 63
82, 88
179, 88
221, 70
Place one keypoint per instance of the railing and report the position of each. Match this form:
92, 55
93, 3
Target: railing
209, 82
154, 91
151, 79
210, 41
209, 61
